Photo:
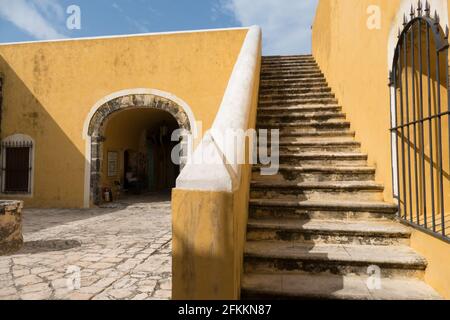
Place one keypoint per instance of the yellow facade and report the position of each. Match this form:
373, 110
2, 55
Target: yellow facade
356, 62
49, 89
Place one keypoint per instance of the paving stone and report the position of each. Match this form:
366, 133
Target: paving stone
119, 293
101, 265
20, 272
38, 271
166, 284
140, 296
123, 283
35, 288
165, 294
39, 295
319, 225
77, 296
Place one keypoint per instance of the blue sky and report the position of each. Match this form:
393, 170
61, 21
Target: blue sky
286, 23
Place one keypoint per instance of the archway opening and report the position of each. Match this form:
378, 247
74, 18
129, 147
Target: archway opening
420, 128
131, 146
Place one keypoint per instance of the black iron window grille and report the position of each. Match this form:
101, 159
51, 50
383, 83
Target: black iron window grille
16, 167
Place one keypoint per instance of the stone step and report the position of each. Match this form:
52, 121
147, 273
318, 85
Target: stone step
295, 149
284, 57
353, 232
269, 59
316, 174
289, 71
273, 68
293, 91
300, 258
293, 77
301, 108
340, 159
263, 98
294, 61
291, 83
324, 145
333, 287
319, 140
300, 76
338, 210
285, 65
303, 126
315, 191
314, 133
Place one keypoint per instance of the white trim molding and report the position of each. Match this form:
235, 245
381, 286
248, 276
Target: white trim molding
19, 138
134, 35
439, 6
213, 165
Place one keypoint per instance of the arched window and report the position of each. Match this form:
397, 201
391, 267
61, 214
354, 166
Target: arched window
17, 164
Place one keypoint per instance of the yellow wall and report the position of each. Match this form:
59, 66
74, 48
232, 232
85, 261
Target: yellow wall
437, 253
355, 62
50, 87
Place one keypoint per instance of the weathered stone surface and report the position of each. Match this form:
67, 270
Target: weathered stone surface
91, 241
11, 239
319, 225
334, 287
99, 119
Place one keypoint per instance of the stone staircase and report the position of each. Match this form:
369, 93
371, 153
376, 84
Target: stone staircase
317, 226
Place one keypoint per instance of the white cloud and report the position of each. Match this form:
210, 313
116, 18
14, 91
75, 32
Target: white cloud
35, 17
286, 24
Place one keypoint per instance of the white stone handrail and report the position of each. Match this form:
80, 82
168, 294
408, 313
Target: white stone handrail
213, 165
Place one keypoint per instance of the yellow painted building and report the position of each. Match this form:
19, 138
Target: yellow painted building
354, 43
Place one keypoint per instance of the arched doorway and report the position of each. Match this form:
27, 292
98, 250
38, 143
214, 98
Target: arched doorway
420, 112
105, 160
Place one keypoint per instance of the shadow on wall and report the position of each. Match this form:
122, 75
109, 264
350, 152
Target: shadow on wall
58, 168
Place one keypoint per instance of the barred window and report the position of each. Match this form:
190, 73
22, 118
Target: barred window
17, 152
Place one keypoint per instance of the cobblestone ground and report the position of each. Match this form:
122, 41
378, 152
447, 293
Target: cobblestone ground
120, 252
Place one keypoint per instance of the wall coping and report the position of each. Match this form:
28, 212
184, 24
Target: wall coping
212, 166
134, 35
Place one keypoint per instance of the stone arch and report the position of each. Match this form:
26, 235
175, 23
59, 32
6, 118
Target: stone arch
98, 121
441, 8
19, 140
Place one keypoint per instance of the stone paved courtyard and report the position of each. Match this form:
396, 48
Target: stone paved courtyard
119, 252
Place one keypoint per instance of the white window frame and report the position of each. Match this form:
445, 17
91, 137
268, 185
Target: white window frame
18, 138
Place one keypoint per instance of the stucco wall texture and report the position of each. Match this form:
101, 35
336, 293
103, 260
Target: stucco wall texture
50, 88
355, 61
